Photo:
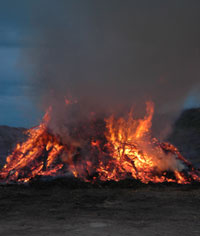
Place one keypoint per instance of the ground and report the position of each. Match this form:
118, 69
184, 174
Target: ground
106, 210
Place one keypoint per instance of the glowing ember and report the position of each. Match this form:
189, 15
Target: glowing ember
116, 149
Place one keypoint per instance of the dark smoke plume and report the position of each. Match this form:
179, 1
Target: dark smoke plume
110, 54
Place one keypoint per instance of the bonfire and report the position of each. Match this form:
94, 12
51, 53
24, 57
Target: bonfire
117, 149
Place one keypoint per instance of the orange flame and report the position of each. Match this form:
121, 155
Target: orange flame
125, 150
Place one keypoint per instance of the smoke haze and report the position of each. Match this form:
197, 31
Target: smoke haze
114, 53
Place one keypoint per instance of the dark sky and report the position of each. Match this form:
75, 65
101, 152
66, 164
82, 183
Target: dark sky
19, 20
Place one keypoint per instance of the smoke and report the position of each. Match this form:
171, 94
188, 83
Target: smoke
116, 53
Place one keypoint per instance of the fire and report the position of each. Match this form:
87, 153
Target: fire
119, 148
27, 160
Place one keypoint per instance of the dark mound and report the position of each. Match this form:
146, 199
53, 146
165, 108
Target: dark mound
9, 137
186, 135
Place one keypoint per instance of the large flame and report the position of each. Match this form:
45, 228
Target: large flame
125, 149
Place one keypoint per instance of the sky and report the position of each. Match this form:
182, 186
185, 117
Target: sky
17, 109
17, 36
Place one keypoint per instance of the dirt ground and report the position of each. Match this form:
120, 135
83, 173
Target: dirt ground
62, 210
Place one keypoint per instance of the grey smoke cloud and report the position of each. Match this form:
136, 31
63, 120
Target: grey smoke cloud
111, 53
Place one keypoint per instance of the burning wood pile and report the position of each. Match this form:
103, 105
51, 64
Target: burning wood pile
99, 150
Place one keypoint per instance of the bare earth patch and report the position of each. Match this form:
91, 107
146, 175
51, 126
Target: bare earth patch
63, 210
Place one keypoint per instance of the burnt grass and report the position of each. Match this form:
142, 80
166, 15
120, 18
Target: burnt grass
68, 206
75, 183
